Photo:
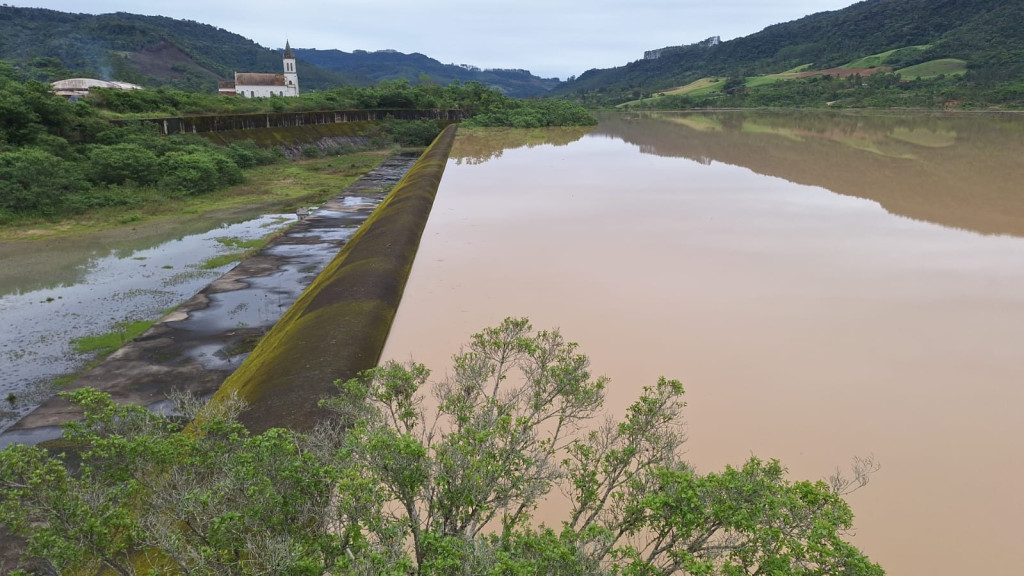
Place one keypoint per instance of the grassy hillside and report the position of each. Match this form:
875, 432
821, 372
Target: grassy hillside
392, 65
985, 34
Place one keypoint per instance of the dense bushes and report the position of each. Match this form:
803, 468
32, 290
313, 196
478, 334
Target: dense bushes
487, 106
33, 180
59, 158
121, 163
197, 171
534, 114
411, 132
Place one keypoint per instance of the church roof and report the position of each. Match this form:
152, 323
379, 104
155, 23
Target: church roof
251, 79
288, 50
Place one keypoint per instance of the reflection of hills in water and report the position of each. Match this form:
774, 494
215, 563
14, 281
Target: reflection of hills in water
958, 171
478, 146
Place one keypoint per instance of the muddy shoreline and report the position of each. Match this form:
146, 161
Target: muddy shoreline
196, 347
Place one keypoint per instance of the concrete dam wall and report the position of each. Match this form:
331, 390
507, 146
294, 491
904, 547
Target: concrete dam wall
339, 325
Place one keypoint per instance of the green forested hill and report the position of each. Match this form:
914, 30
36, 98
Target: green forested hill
985, 33
390, 65
148, 50
159, 51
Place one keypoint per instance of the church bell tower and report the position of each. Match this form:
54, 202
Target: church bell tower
291, 78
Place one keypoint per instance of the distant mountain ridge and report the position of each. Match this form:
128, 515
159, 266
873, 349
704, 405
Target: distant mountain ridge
147, 50
159, 51
391, 64
987, 34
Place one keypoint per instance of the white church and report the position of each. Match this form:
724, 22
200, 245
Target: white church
256, 85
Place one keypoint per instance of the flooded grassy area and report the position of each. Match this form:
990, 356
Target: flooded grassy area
73, 292
277, 187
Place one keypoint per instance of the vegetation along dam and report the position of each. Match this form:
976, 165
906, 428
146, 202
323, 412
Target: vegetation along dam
824, 285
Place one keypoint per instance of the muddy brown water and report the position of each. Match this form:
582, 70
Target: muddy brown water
824, 285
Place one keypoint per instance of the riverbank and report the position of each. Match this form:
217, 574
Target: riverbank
278, 187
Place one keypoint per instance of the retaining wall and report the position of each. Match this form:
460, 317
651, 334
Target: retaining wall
224, 122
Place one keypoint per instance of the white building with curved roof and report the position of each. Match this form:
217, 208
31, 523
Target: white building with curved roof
79, 87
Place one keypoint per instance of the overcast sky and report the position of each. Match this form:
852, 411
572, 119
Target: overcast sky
548, 37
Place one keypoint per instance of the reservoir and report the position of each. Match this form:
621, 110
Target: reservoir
825, 286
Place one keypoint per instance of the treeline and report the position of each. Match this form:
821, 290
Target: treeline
883, 90
59, 158
484, 105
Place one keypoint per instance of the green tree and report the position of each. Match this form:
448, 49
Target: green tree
502, 432
395, 485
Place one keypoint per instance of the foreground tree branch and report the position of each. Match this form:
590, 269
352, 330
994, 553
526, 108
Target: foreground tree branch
396, 485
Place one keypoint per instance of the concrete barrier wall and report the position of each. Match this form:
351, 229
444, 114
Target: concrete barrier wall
220, 123
339, 326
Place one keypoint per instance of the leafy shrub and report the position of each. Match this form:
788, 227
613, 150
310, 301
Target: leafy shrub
189, 173
35, 181
533, 114
411, 132
312, 152
120, 163
228, 173
246, 154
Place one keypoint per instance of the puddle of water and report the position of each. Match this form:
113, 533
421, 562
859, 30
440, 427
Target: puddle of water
37, 326
33, 436
806, 325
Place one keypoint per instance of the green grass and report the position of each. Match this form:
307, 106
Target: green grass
235, 242
64, 380
222, 260
799, 69
281, 186
105, 344
873, 61
700, 87
250, 247
755, 81
947, 66
695, 88
876, 60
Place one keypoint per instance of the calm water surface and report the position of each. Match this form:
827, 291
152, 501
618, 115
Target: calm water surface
825, 286
55, 291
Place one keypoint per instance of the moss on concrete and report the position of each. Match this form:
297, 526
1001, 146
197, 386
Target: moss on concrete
339, 325
293, 135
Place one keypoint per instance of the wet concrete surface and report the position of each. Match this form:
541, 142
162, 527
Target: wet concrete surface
196, 347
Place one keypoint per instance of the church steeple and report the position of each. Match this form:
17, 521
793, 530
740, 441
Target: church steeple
291, 77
